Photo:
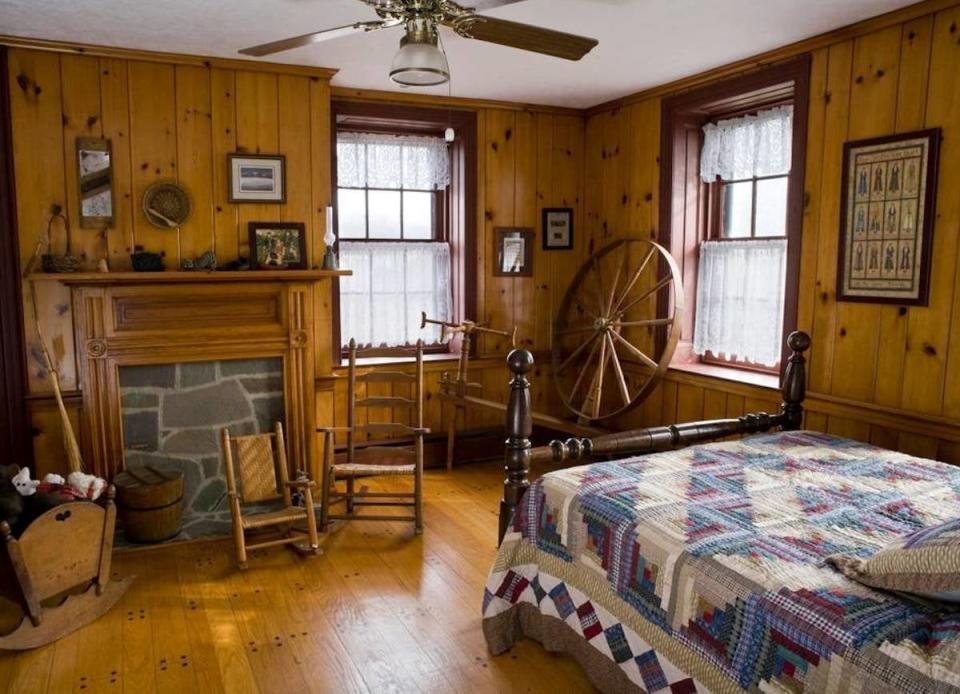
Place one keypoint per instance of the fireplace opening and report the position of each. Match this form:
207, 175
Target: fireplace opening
172, 415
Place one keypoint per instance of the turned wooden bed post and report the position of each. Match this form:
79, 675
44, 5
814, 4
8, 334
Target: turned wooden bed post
520, 454
794, 386
519, 430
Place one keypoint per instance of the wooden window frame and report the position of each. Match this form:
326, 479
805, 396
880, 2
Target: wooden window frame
455, 207
686, 207
441, 198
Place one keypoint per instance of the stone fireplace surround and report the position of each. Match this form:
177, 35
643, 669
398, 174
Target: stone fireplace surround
173, 414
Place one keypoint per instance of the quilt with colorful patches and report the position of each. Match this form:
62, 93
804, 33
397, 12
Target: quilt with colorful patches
706, 569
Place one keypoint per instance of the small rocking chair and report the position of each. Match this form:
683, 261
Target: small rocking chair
66, 549
375, 461
262, 468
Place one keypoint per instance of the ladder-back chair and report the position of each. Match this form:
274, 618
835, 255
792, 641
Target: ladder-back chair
363, 461
260, 467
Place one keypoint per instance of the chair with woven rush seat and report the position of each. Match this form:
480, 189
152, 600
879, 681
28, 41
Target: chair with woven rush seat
377, 460
261, 466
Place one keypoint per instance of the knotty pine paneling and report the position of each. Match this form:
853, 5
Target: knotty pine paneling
882, 370
178, 122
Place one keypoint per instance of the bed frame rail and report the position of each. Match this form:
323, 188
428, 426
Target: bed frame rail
520, 453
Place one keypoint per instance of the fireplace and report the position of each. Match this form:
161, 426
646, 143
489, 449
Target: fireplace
191, 334
172, 415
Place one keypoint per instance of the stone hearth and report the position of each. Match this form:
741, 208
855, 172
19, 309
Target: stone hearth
173, 414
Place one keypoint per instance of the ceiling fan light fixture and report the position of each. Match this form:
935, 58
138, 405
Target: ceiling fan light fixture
420, 62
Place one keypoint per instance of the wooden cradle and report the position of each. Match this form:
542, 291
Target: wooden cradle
61, 571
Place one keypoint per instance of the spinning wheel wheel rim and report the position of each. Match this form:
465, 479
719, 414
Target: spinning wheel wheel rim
606, 310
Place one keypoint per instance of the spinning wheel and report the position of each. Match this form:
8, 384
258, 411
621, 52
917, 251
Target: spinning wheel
617, 328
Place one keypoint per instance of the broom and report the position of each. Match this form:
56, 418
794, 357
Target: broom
74, 459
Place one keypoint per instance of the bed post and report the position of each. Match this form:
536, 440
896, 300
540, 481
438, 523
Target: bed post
519, 430
794, 387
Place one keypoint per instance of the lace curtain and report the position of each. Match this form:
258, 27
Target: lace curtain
392, 283
740, 291
370, 160
750, 146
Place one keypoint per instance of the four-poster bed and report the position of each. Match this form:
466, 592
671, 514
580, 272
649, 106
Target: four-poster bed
711, 567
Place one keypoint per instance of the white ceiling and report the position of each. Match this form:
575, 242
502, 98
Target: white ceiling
643, 43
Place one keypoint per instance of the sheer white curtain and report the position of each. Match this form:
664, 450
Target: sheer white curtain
392, 283
371, 160
739, 148
740, 293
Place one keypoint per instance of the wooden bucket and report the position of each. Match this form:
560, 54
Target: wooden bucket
150, 499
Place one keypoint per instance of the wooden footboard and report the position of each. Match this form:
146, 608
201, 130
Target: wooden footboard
520, 453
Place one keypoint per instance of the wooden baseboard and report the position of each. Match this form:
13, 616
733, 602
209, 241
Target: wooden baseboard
935, 426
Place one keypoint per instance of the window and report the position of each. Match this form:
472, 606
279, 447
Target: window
391, 193
741, 277
731, 209
406, 218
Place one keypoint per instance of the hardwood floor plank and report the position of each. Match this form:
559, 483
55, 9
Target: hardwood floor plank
382, 610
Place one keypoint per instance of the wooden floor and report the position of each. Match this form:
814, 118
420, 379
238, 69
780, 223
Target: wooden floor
379, 611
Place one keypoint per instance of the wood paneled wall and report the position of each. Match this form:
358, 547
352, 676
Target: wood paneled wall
166, 121
881, 373
887, 374
179, 121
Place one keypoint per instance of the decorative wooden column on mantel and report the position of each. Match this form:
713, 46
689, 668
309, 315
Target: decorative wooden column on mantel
134, 318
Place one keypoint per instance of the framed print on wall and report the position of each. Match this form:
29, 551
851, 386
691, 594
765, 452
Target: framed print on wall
278, 245
514, 252
887, 202
257, 177
557, 228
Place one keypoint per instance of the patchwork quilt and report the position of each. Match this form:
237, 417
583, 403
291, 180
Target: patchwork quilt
705, 569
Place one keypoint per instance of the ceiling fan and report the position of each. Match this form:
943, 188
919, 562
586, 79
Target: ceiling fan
419, 62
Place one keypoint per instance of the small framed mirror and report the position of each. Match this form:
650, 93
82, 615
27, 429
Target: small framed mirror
95, 172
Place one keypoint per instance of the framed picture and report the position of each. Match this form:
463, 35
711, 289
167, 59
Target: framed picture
257, 177
887, 202
278, 246
514, 252
557, 228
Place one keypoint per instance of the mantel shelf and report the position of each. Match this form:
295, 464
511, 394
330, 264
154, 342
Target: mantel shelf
181, 277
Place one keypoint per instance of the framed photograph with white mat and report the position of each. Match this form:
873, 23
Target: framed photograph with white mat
888, 205
514, 252
257, 177
557, 228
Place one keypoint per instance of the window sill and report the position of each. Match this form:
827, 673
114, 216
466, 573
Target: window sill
728, 373
386, 361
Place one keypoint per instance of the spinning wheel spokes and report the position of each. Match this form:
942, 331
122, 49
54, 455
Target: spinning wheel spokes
591, 347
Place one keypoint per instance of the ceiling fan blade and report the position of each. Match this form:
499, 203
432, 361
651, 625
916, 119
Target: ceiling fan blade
316, 37
481, 5
523, 36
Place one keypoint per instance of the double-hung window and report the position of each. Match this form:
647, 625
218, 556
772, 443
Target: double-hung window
392, 193
745, 162
731, 183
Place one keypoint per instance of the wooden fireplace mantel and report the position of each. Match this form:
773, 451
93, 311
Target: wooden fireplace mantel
133, 318
103, 279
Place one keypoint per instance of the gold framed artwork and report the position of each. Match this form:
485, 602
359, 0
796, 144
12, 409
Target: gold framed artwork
888, 201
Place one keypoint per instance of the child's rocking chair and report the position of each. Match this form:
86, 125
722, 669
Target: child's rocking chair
67, 548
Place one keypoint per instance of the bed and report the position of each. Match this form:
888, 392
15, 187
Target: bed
705, 568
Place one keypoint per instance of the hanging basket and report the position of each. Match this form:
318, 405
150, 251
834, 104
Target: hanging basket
67, 262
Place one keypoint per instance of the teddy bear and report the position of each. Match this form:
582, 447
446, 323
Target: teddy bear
28, 487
